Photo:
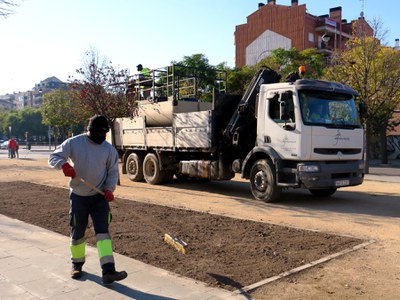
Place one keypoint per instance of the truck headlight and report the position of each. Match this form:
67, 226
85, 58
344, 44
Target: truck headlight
308, 168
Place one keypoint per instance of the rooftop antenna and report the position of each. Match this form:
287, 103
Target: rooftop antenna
362, 8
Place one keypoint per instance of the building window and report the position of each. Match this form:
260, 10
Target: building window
311, 37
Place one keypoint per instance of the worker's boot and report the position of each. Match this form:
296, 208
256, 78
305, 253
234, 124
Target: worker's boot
76, 272
112, 276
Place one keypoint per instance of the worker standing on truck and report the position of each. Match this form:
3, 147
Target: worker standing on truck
145, 82
96, 161
144, 73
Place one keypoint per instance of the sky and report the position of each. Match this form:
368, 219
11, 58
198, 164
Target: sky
45, 38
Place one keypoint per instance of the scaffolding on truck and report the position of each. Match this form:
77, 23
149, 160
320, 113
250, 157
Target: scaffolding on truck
177, 82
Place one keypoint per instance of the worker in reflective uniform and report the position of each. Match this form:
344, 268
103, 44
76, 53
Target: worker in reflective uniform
96, 161
145, 81
143, 72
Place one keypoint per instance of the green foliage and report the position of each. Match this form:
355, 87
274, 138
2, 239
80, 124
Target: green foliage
22, 121
280, 60
61, 110
239, 79
287, 61
314, 63
198, 66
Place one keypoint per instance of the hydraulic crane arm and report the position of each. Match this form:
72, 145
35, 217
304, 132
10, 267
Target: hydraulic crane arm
245, 112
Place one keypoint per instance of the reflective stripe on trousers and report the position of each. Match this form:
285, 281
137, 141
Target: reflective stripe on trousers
104, 248
78, 250
97, 207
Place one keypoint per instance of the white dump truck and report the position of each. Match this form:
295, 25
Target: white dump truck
298, 134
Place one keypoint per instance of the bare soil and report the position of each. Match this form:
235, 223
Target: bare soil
370, 211
225, 252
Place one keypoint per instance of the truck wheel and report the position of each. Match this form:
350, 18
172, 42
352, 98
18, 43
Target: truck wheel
134, 167
323, 192
262, 181
151, 169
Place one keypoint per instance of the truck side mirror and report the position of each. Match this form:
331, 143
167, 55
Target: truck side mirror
285, 107
284, 111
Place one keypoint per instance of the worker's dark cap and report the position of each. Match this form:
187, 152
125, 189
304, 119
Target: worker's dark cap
139, 66
98, 123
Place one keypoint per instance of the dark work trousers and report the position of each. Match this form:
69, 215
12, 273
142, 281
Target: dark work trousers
99, 210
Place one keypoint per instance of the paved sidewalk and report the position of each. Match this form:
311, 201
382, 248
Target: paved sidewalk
35, 264
384, 172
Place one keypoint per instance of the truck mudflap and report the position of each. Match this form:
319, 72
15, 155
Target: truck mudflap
323, 175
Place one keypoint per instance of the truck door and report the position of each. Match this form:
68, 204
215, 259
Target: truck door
278, 127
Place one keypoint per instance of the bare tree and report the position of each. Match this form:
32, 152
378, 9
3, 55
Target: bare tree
6, 8
102, 86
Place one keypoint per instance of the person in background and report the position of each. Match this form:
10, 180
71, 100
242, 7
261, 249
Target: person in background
16, 149
96, 161
12, 146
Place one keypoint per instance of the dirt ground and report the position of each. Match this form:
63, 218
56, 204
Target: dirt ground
223, 251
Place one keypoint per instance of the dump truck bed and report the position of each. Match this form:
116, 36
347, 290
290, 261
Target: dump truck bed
189, 131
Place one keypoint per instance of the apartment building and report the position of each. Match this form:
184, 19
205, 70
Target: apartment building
32, 98
274, 26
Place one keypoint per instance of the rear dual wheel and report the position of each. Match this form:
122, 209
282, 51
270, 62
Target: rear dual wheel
152, 170
134, 167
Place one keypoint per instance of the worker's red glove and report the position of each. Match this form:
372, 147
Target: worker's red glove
108, 195
68, 170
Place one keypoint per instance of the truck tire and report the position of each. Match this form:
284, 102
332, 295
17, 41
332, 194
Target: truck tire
134, 167
322, 192
262, 181
151, 169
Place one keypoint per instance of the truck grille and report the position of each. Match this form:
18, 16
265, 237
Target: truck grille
335, 151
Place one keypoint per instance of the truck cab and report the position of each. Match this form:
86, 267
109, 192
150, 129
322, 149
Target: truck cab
310, 134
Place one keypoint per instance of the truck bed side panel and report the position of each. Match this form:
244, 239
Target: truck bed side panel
159, 137
132, 131
193, 130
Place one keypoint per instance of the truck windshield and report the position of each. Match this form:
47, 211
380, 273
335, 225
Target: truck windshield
329, 109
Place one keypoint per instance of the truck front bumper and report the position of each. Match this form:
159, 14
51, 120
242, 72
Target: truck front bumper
323, 175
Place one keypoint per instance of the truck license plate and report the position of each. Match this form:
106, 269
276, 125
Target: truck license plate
342, 182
